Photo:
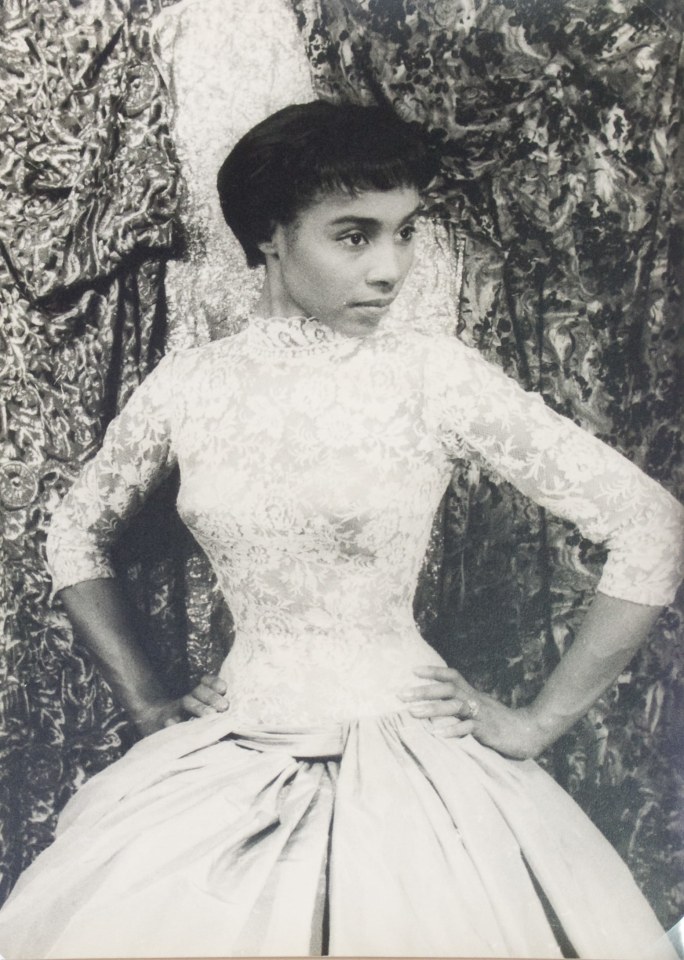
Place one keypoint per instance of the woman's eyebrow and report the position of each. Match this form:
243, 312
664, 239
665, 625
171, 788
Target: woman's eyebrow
370, 222
414, 213
358, 221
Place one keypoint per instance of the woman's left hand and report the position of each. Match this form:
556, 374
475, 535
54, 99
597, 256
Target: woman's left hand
457, 709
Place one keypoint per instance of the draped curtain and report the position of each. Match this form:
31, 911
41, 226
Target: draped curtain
559, 127
88, 185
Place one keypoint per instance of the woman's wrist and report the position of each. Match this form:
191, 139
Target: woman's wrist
144, 703
545, 727
141, 709
153, 716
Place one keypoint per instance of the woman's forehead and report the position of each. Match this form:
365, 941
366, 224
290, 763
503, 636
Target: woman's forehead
341, 205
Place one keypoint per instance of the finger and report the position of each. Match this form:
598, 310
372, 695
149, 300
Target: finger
172, 721
209, 697
216, 683
439, 723
438, 708
439, 673
432, 691
454, 728
195, 707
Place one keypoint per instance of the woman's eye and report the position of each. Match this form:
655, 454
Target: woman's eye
354, 239
407, 232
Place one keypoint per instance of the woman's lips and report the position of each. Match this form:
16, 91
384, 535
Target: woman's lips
372, 303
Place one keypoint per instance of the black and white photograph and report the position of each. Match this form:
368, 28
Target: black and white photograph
341, 479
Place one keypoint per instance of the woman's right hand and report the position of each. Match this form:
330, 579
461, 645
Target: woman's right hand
206, 698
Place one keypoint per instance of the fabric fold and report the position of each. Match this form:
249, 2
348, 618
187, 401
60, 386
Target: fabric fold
212, 840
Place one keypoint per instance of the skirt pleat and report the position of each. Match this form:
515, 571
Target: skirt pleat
371, 837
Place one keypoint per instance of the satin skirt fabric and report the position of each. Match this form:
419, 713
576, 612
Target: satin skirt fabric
371, 837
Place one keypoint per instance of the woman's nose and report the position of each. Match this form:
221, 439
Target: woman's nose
387, 267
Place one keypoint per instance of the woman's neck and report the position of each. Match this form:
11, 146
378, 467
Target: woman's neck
274, 300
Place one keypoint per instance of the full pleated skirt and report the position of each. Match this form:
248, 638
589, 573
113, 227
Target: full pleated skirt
369, 837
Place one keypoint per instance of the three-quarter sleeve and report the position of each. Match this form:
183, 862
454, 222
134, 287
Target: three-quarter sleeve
480, 413
135, 456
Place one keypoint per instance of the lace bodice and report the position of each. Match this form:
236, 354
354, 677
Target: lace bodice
311, 466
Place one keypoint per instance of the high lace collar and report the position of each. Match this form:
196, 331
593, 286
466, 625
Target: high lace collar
296, 335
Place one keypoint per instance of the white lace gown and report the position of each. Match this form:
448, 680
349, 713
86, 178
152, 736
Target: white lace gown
316, 813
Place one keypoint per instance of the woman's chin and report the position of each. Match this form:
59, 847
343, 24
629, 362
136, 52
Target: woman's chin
362, 321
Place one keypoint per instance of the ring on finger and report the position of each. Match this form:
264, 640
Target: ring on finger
473, 708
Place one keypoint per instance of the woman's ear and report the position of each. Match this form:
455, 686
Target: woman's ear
270, 247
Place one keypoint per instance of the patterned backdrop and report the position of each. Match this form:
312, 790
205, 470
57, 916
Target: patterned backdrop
559, 126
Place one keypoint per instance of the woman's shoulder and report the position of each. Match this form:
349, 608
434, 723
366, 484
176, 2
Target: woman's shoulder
438, 350
196, 361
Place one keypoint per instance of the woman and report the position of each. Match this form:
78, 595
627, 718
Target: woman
314, 448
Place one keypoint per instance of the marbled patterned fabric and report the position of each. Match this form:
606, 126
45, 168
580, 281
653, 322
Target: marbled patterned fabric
563, 145
87, 185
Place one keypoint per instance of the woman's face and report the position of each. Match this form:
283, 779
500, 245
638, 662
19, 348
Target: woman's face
344, 259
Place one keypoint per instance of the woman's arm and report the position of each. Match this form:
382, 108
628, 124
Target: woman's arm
103, 619
611, 633
136, 454
477, 411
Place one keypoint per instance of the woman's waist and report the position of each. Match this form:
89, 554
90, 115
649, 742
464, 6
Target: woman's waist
325, 739
279, 642
326, 678
348, 618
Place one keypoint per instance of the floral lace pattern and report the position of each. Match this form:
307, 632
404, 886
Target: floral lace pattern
311, 466
228, 66
212, 54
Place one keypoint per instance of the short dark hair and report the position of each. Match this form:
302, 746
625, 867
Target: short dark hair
310, 149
